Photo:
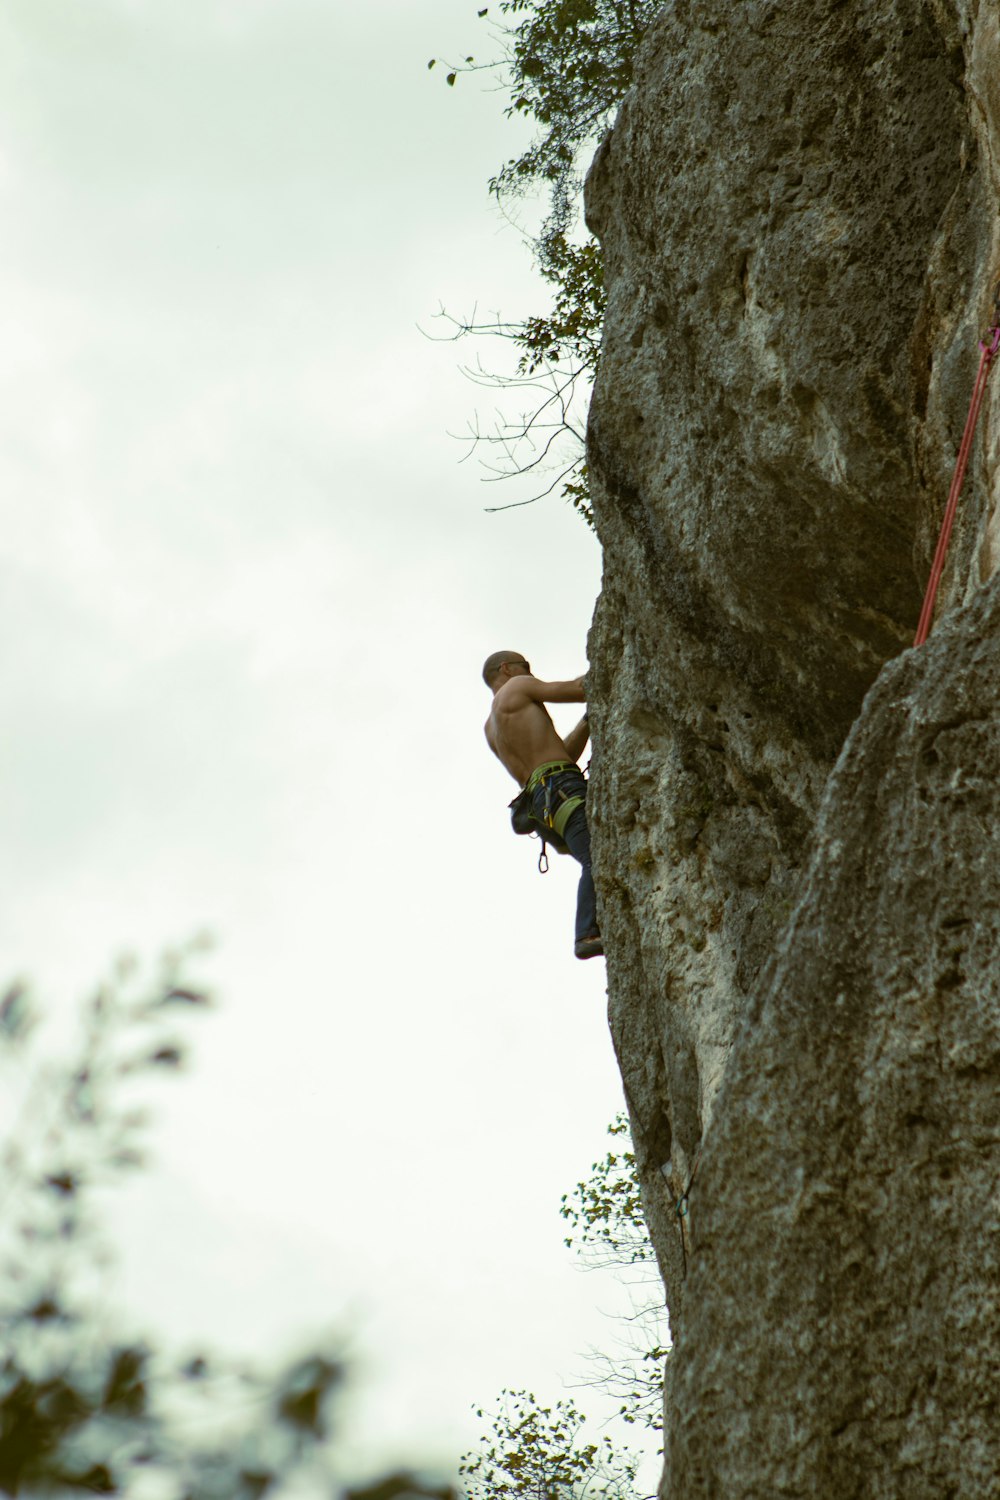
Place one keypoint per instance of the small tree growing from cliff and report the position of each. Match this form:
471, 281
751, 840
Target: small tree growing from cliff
608, 1231
535, 1452
565, 65
604, 1212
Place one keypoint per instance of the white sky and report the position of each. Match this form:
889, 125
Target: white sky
247, 588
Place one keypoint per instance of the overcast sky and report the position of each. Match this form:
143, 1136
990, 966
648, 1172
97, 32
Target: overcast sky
247, 589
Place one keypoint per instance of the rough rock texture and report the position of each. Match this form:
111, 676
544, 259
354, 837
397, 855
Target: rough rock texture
845, 1246
799, 212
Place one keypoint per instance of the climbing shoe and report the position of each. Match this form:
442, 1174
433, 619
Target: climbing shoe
591, 946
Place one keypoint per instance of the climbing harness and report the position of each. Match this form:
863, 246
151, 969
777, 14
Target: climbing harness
551, 826
989, 346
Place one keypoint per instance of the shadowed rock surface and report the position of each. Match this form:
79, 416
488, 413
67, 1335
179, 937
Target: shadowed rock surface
799, 213
844, 1266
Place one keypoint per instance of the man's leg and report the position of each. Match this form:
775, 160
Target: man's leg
577, 836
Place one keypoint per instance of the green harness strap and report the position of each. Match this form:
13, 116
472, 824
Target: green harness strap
550, 768
564, 814
557, 820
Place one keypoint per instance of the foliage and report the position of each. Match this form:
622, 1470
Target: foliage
565, 65
573, 328
84, 1407
535, 1452
605, 1211
608, 1230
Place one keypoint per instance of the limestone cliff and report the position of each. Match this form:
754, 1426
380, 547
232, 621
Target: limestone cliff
799, 213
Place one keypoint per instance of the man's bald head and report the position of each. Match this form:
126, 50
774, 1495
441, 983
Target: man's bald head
492, 665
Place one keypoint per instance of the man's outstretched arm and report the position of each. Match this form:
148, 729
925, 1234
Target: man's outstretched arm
553, 692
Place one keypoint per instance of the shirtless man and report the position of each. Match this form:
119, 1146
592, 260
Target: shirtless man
524, 739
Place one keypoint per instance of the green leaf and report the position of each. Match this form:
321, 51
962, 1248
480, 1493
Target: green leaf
16, 1017
181, 996
125, 1387
63, 1183
167, 1057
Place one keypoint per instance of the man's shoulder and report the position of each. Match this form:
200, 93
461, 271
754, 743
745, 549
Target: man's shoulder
517, 689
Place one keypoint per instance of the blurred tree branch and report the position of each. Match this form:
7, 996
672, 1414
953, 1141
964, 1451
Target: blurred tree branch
86, 1408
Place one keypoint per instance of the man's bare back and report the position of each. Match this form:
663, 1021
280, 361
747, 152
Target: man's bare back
519, 730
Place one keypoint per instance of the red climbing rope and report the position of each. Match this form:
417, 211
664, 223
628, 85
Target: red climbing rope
989, 349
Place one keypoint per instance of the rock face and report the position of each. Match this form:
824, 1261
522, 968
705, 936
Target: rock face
799, 212
843, 1335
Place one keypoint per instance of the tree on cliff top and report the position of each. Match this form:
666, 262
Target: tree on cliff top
566, 65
